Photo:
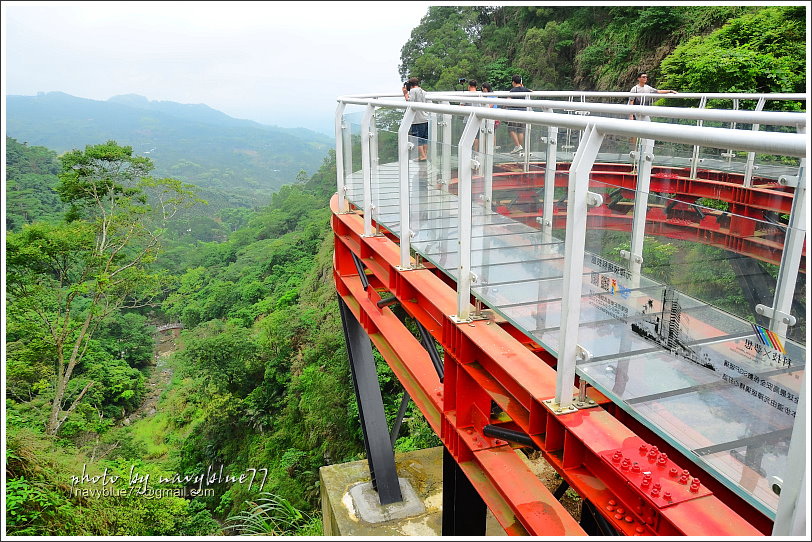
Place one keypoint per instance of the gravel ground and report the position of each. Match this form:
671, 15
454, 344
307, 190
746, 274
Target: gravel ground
551, 480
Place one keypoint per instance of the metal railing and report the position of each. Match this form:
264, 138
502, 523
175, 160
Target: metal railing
594, 125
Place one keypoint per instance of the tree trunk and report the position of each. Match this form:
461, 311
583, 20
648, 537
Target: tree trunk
62, 381
58, 423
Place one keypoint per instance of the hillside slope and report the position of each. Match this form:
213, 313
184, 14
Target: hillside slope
743, 48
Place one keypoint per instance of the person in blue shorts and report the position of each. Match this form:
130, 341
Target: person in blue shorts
420, 124
516, 129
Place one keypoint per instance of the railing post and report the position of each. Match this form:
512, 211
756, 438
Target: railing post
446, 137
464, 235
366, 168
549, 183
790, 518
405, 204
527, 128
375, 179
433, 147
731, 153
751, 156
577, 198
695, 156
791, 257
341, 180
487, 158
644, 163
347, 144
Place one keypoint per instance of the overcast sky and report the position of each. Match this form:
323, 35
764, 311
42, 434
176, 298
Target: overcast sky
280, 63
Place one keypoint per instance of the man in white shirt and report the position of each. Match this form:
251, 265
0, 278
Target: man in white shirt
643, 88
420, 124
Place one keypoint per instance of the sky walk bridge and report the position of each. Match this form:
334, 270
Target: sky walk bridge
626, 296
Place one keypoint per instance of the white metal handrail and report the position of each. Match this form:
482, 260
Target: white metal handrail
601, 94
778, 143
775, 118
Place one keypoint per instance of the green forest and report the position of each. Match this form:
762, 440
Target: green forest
686, 48
102, 249
260, 378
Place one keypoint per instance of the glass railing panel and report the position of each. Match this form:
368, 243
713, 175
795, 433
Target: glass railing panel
686, 353
798, 332
675, 156
722, 160
616, 150
433, 204
712, 254
568, 141
607, 295
353, 174
770, 167
386, 176
536, 144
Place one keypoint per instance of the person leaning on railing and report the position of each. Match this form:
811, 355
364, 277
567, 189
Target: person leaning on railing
642, 87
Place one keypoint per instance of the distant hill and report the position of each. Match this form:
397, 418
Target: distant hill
236, 159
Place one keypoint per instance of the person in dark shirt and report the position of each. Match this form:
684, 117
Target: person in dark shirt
516, 129
420, 124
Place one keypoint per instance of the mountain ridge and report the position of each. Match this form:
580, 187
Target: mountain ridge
192, 142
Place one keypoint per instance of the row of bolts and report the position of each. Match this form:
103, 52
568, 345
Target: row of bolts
661, 460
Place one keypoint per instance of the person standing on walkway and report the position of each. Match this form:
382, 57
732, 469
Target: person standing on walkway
516, 129
420, 124
472, 84
486, 89
642, 87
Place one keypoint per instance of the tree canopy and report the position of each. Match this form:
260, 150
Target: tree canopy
70, 277
701, 48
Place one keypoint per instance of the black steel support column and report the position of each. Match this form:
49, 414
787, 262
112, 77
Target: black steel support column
404, 404
380, 455
464, 511
594, 523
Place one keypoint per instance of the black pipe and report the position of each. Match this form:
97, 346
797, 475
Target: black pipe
359, 266
560, 490
509, 435
404, 403
385, 302
428, 344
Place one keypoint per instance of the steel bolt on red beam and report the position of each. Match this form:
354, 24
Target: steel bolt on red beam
485, 363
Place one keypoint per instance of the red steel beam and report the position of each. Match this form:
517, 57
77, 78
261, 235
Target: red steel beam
766, 195
484, 363
540, 512
740, 236
757, 245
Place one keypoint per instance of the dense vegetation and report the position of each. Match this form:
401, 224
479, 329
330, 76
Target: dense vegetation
261, 381
259, 378
30, 185
687, 48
